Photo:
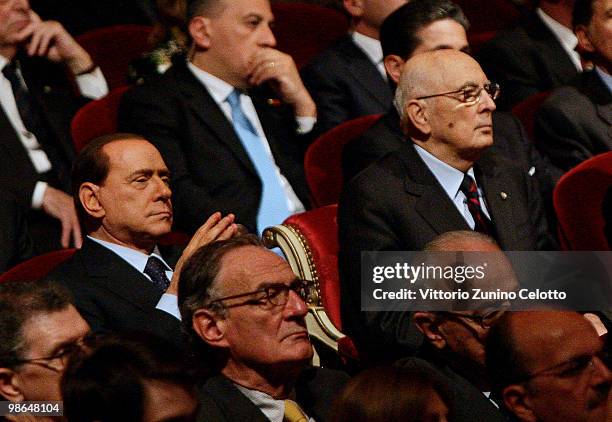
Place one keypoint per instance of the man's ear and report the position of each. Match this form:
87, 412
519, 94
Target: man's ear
210, 327
516, 398
354, 7
427, 324
393, 65
9, 385
89, 197
584, 39
417, 116
199, 28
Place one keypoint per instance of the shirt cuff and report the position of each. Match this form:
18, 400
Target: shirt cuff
305, 124
169, 303
92, 85
39, 195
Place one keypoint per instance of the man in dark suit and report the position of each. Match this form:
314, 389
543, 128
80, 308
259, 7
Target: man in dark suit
37, 103
229, 149
119, 279
348, 80
244, 310
536, 56
575, 122
549, 365
442, 179
15, 242
430, 25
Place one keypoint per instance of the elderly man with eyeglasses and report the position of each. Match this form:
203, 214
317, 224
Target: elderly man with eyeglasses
244, 310
549, 366
444, 178
39, 329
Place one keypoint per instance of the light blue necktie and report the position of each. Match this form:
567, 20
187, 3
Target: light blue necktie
273, 206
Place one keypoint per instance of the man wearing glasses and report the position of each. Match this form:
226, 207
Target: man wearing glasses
549, 366
442, 179
244, 310
39, 329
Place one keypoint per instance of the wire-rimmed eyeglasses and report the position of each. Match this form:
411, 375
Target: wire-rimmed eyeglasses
470, 93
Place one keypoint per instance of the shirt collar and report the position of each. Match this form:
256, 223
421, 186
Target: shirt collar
565, 35
370, 46
273, 409
3, 61
605, 77
133, 257
449, 177
217, 88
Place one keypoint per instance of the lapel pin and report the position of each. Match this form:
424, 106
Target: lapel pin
503, 195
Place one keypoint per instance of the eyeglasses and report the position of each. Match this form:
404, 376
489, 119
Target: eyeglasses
57, 361
573, 367
469, 94
485, 320
276, 294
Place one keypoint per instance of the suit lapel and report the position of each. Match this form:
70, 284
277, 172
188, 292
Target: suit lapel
208, 112
595, 89
234, 405
433, 205
111, 272
365, 72
499, 199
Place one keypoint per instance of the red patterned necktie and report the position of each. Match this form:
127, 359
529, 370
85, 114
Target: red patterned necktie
481, 223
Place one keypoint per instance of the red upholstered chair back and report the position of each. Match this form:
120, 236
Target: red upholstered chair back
96, 118
320, 231
578, 199
526, 110
113, 48
304, 30
38, 267
323, 160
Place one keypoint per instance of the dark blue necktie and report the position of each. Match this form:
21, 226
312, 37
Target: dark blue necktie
157, 271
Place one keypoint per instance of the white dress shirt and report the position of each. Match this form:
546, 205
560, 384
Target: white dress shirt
273, 409
565, 35
219, 90
167, 303
450, 179
91, 85
372, 48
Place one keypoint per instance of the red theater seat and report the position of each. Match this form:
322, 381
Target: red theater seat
309, 240
96, 118
304, 30
323, 160
578, 200
38, 267
526, 110
113, 48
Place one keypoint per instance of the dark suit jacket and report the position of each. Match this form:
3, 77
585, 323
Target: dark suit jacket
575, 122
345, 84
210, 168
15, 243
525, 60
397, 204
56, 99
221, 401
511, 141
112, 295
470, 404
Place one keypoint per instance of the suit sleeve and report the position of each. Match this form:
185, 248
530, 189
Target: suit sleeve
161, 119
15, 242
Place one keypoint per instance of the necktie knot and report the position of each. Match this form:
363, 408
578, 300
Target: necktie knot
468, 187
234, 99
156, 269
238, 116
293, 412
